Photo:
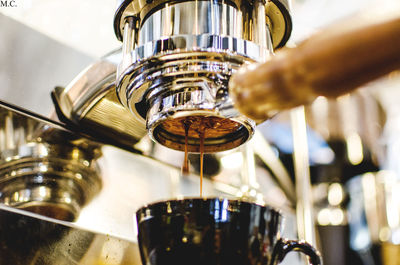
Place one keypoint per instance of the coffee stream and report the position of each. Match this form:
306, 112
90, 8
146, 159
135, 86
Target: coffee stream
185, 166
201, 131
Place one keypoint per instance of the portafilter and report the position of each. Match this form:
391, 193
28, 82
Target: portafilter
177, 59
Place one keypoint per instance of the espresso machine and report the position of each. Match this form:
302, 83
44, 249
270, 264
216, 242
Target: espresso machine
81, 152
79, 159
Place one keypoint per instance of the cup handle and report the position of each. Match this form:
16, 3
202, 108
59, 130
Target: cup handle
285, 246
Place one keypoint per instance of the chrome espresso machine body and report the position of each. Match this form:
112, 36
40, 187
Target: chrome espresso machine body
177, 58
58, 150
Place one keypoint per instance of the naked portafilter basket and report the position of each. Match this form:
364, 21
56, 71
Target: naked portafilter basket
178, 57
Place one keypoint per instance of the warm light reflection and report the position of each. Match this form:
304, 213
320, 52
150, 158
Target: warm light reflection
331, 216
24, 196
15, 196
335, 194
75, 153
354, 149
324, 217
384, 234
43, 168
336, 216
42, 191
67, 199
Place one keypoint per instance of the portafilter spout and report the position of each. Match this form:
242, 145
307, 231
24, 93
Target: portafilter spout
177, 61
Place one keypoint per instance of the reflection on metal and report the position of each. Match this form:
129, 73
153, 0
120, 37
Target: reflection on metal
279, 21
45, 170
304, 206
277, 16
31, 239
181, 66
90, 102
177, 60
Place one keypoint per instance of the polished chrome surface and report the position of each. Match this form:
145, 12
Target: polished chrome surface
277, 13
187, 18
261, 34
279, 21
194, 96
185, 55
202, 43
27, 238
90, 102
186, 86
45, 170
128, 45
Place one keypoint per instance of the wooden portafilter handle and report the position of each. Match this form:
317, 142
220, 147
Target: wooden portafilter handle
330, 63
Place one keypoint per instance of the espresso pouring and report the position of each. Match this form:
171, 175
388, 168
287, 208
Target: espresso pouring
200, 127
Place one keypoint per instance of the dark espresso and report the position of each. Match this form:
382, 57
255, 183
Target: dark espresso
185, 166
202, 124
201, 128
197, 130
